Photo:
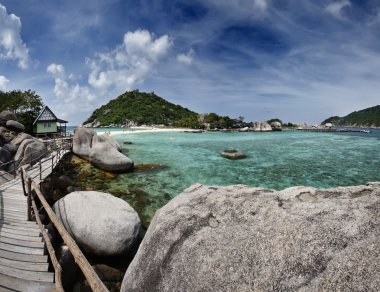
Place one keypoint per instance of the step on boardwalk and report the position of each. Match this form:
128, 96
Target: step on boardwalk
23, 259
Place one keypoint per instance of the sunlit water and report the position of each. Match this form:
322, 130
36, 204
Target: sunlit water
275, 160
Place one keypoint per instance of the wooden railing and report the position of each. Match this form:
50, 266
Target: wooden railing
31, 180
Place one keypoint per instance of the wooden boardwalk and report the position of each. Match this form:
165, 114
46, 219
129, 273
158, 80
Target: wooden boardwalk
24, 263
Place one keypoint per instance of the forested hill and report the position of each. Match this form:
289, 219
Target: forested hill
141, 108
369, 117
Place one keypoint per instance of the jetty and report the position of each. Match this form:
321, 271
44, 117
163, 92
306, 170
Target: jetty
27, 256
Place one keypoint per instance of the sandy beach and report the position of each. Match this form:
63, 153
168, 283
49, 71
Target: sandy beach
136, 130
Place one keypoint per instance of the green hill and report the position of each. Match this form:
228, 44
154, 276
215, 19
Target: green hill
141, 108
369, 117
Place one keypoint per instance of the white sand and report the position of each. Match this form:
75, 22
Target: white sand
136, 130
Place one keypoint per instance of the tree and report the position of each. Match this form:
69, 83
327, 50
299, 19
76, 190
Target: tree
25, 104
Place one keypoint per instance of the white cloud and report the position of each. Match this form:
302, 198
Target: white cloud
336, 8
260, 4
11, 44
3, 82
129, 63
187, 58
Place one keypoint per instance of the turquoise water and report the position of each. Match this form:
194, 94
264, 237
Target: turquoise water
275, 160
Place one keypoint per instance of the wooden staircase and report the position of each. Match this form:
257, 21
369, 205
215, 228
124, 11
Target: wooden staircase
23, 259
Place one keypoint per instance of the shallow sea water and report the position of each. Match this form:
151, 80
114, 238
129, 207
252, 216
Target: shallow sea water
275, 160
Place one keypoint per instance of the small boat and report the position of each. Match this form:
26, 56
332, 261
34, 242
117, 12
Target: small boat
365, 131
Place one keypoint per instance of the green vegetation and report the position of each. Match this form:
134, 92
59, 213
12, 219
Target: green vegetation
274, 120
369, 117
143, 108
25, 104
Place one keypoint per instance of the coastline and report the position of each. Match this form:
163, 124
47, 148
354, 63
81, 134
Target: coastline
137, 130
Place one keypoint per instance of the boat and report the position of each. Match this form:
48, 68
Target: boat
365, 131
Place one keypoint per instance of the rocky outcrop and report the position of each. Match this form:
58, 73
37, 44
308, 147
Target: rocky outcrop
261, 127
102, 151
276, 126
15, 126
101, 224
238, 238
233, 154
16, 145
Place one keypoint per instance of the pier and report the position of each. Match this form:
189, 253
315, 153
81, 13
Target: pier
27, 257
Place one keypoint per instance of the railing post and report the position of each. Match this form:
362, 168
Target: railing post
29, 200
14, 169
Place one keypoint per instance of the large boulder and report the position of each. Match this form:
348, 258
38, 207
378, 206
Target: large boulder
5, 155
261, 127
12, 149
105, 156
20, 138
276, 126
7, 115
30, 151
82, 142
100, 223
238, 238
6, 135
15, 126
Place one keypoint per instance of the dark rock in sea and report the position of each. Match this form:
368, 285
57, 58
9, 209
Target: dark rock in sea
127, 142
238, 238
150, 167
63, 182
233, 154
101, 224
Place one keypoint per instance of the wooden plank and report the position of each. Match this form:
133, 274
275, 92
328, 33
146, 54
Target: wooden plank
35, 233
27, 275
22, 249
24, 243
25, 224
13, 217
38, 267
20, 227
23, 257
17, 284
21, 237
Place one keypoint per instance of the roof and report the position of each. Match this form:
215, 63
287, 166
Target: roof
46, 115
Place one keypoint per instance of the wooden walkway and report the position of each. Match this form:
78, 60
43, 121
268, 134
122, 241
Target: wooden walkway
24, 262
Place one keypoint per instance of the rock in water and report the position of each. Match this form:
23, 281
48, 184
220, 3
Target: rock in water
105, 156
244, 239
101, 224
233, 154
82, 142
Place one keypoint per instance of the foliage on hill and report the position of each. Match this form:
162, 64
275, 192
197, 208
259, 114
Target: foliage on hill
369, 117
142, 108
25, 104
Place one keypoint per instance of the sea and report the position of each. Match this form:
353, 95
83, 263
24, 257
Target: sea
276, 160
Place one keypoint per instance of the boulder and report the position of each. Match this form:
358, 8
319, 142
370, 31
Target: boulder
5, 155
105, 156
82, 142
238, 238
233, 154
30, 152
6, 135
20, 138
15, 126
261, 127
12, 149
7, 115
100, 223
109, 139
276, 126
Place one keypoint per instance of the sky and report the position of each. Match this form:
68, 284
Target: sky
297, 60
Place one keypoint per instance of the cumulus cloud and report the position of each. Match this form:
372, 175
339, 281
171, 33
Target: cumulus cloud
71, 98
3, 82
336, 8
187, 58
129, 63
11, 44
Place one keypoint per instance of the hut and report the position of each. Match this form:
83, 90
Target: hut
47, 124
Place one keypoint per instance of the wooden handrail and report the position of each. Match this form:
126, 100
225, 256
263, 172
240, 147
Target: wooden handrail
92, 278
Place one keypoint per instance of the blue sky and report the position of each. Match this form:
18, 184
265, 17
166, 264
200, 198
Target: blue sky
297, 60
